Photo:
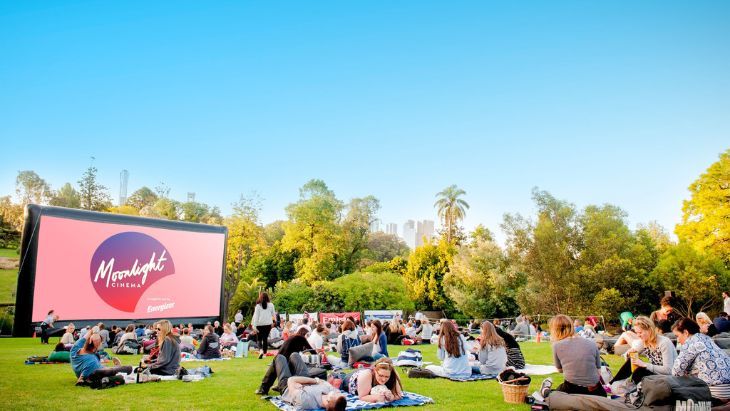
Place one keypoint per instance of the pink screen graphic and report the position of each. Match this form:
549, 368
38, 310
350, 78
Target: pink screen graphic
92, 270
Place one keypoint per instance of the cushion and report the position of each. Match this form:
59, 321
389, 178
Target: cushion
60, 356
360, 351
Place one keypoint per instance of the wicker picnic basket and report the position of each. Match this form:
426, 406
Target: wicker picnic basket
514, 393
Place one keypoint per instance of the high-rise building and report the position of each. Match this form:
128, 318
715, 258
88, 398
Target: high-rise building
409, 233
424, 232
375, 226
391, 228
191, 197
123, 180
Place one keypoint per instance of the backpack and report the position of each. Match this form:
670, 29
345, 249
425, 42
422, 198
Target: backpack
656, 390
130, 347
107, 382
420, 373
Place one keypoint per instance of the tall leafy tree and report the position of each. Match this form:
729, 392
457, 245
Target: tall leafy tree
427, 267
31, 188
481, 281
66, 196
142, 197
245, 241
94, 196
706, 215
361, 213
451, 209
313, 230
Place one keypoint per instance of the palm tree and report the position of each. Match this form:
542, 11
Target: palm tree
451, 208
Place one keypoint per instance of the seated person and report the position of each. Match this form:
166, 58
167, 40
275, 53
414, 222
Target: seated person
578, 325
187, 342
666, 316
348, 339
701, 358
317, 337
380, 341
722, 323
86, 363
515, 358
304, 392
382, 373
522, 329
294, 344
228, 338
659, 349
588, 332
425, 332
167, 360
394, 333
491, 351
706, 325
452, 352
577, 358
209, 344
68, 336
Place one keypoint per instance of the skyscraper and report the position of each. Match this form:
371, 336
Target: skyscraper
391, 228
123, 180
375, 226
424, 232
409, 233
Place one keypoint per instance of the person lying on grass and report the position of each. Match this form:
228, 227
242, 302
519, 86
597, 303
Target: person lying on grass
377, 384
86, 363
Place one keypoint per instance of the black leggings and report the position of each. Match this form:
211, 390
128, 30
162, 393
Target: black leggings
262, 337
570, 388
109, 372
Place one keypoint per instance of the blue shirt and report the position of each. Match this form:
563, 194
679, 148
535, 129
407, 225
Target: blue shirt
83, 364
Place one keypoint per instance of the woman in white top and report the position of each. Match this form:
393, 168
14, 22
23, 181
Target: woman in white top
68, 337
426, 331
316, 338
263, 318
452, 352
228, 339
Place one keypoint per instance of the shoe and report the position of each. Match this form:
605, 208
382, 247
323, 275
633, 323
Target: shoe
261, 391
277, 389
261, 355
546, 387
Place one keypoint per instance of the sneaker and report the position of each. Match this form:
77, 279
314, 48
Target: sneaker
546, 387
277, 389
261, 391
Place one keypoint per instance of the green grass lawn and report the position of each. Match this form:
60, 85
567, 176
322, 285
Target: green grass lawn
8, 253
8, 284
232, 386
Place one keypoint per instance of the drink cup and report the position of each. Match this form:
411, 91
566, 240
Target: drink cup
633, 355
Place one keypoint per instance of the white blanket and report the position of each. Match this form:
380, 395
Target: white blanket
532, 369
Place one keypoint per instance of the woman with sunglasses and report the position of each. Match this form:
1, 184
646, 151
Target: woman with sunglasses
363, 381
168, 359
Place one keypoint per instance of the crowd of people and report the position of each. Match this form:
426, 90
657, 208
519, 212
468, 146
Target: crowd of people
663, 343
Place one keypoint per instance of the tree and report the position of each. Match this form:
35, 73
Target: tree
383, 247
141, 198
67, 197
696, 277
94, 196
481, 233
163, 208
451, 209
481, 282
245, 241
11, 215
427, 266
706, 215
313, 231
31, 188
193, 211
361, 213
244, 297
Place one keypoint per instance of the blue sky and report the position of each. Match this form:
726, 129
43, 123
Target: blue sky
620, 102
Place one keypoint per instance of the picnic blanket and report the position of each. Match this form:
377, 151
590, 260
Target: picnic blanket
185, 357
533, 369
354, 403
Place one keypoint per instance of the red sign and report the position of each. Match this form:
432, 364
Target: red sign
337, 317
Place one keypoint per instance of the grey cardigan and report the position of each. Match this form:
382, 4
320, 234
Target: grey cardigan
669, 354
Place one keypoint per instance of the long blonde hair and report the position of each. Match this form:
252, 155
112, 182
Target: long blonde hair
490, 337
165, 330
647, 325
561, 327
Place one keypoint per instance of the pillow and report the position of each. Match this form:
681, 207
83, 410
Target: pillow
60, 356
358, 352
